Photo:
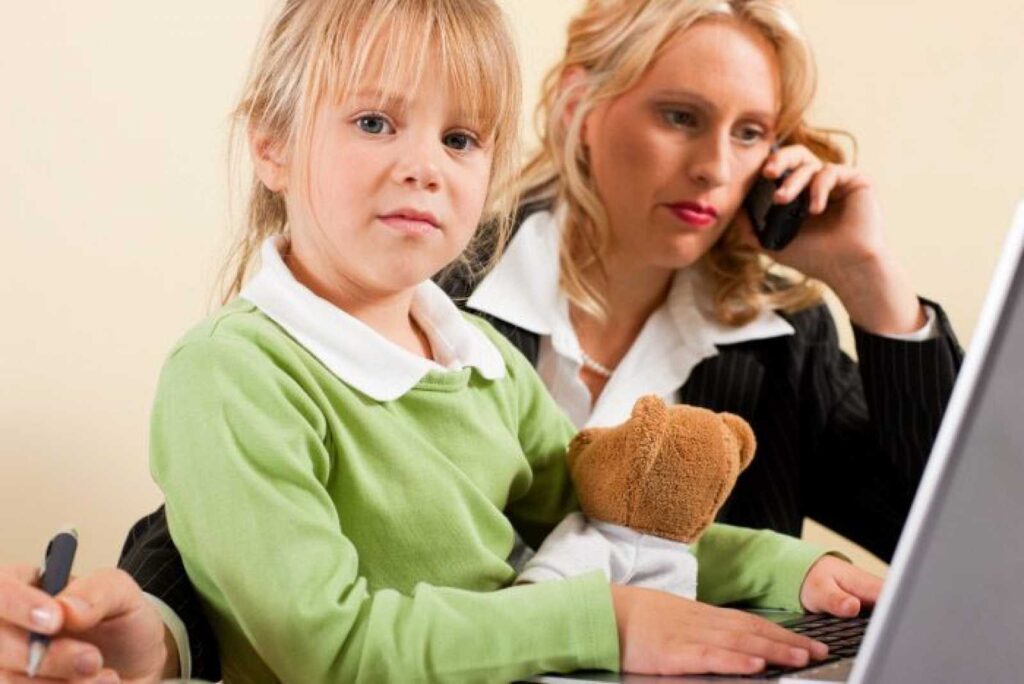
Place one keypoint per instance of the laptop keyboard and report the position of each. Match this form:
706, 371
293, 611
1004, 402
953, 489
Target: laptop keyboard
842, 635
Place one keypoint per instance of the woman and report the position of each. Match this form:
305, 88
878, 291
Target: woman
634, 271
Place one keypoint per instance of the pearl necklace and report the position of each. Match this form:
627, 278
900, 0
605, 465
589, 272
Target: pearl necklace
592, 365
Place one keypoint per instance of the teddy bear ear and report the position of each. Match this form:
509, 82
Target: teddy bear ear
744, 435
650, 407
580, 442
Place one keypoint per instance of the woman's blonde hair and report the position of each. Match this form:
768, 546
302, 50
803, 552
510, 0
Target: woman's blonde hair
612, 43
314, 50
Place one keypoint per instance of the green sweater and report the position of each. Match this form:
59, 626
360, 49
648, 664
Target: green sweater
333, 537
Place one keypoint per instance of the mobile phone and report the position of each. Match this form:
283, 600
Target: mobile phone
775, 225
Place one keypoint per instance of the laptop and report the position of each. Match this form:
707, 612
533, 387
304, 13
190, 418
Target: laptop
952, 607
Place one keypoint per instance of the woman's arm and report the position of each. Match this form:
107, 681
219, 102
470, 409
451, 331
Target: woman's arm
151, 558
870, 426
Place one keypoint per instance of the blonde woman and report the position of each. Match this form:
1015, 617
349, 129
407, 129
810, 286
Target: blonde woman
632, 272
634, 269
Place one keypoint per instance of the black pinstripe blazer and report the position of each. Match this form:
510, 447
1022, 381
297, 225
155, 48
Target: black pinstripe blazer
841, 443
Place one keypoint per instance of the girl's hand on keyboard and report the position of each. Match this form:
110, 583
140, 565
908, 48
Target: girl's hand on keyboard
838, 587
664, 634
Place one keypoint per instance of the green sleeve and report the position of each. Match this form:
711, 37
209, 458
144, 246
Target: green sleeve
544, 435
756, 568
238, 447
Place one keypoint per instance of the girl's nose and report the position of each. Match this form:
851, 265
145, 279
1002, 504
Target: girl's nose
418, 167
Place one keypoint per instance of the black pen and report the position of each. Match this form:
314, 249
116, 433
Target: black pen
60, 554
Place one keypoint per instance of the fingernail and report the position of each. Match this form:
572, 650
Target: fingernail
88, 663
757, 663
850, 606
819, 649
799, 656
44, 618
107, 678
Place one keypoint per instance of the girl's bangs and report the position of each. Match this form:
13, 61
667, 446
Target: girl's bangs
416, 44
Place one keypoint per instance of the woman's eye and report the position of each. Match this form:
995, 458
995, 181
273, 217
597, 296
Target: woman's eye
750, 134
459, 141
374, 124
678, 117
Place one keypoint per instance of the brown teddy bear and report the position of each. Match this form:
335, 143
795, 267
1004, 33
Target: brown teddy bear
647, 489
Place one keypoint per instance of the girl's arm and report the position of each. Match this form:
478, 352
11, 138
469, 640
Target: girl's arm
239, 449
758, 568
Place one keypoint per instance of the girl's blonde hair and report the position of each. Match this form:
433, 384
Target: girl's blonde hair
612, 43
316, 50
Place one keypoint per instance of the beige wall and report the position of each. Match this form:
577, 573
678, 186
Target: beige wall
113, 204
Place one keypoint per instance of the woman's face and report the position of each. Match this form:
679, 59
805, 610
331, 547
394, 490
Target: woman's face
673, 157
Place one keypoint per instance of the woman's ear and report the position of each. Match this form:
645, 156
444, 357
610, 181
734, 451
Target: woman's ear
573, 82
268, 160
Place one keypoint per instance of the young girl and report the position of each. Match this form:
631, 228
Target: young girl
346, 458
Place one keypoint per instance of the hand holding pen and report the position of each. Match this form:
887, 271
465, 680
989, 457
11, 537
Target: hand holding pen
80, 623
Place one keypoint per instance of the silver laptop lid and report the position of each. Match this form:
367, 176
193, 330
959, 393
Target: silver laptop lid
951, 610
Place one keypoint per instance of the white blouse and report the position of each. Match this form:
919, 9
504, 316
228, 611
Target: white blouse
523, 290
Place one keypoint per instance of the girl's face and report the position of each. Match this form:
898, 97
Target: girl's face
673, 157
396, 187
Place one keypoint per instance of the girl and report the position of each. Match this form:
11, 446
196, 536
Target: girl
345, 456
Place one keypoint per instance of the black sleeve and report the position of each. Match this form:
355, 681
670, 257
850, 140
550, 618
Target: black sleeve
151, 558
876, 422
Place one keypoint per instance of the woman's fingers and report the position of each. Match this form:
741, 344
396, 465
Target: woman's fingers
789, 158
99, 596
104, 677
26, 606
64, 659
795, 183
821, 187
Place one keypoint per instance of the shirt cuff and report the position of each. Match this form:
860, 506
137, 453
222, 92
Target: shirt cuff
929, 331
179, 633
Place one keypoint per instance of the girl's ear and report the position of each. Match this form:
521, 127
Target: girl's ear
268, 161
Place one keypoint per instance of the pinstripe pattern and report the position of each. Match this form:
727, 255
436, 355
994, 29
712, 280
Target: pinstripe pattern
153, 560
842, 444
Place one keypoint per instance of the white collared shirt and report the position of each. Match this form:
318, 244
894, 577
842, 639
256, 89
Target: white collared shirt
355, 352
523, 290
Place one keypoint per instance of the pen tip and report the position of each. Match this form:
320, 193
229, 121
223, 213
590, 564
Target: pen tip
35, 658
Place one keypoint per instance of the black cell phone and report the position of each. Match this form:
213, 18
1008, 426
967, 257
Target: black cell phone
775, 225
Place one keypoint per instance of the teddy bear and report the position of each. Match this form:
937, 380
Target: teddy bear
648, 489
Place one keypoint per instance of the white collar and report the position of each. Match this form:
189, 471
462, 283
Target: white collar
353, 351
523, 290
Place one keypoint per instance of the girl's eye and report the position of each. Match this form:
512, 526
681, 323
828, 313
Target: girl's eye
460, 141
375, 124
680, 118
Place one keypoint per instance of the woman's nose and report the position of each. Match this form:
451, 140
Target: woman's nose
709, 164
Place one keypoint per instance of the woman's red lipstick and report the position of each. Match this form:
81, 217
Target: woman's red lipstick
694, 214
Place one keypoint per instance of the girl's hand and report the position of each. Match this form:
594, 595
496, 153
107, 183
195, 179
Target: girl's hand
842, 242
837, 587
103, 630
663, 634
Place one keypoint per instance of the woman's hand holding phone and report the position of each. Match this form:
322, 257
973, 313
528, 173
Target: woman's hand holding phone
841, 242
